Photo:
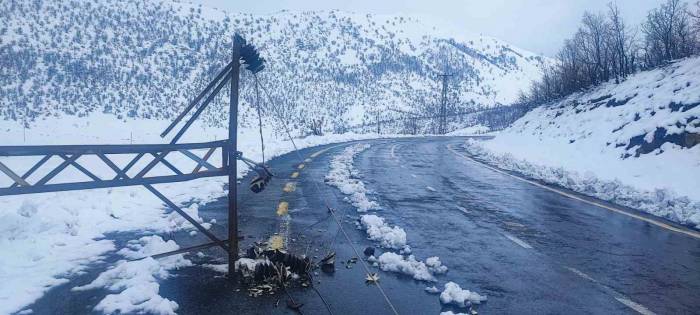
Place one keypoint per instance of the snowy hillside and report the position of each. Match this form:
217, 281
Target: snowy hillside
147, 59
633, 143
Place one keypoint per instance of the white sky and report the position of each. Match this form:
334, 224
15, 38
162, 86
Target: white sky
536, 25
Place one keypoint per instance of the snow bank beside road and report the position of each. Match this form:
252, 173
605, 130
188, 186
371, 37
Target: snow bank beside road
633, 143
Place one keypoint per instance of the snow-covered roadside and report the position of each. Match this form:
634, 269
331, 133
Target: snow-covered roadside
47, 238
346, 178
634, 143
659, 202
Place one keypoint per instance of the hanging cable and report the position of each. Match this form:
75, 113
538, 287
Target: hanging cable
331, 210
257, 104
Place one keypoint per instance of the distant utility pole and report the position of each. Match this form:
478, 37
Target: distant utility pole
442, 129
379, 123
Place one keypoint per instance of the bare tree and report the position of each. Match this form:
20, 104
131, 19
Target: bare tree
668, 33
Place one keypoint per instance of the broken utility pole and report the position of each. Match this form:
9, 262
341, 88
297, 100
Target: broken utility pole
232, 158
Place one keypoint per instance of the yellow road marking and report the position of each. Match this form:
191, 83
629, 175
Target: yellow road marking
326, 149
276, 242
597, 204
282, 208
300, 166
295, 175
289, 187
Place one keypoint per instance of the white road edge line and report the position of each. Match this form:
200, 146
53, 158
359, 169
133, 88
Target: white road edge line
571, 196
518, 241
639, 308
393, 154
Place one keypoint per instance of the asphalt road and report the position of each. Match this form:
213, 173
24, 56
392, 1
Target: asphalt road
530, 249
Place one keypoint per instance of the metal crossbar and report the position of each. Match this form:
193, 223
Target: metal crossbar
71, 156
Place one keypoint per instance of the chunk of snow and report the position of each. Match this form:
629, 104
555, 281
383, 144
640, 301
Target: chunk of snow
146, 246
435, 265
410, 266
432, 290
454, 294
135, 285
378, 230
222, 268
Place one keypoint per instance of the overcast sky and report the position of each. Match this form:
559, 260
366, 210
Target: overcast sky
536, 25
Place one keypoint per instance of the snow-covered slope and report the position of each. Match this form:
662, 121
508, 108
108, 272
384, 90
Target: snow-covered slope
634, 143
146, 59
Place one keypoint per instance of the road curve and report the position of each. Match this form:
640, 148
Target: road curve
528, 247
532, 248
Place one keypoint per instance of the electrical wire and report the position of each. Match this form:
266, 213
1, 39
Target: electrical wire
257, 103
331, 210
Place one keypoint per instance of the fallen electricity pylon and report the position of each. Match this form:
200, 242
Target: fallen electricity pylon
70, 154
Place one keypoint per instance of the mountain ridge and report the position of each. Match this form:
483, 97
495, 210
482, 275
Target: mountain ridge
148, 59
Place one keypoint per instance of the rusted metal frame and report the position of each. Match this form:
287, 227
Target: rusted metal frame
34, 168
200, 161
81, 168
129, 166
152, 164
57, 170
196, 224
22, 190
169, 165
16, 178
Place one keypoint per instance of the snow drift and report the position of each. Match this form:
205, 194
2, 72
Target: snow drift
632, 143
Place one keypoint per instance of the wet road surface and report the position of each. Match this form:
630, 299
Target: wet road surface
530, 250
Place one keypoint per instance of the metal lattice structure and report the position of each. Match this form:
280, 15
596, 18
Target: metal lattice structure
142, 174
134, 173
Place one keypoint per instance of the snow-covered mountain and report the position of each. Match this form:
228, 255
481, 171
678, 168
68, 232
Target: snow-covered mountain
633, 143
146, 59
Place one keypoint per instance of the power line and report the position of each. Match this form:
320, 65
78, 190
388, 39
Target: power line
331, 210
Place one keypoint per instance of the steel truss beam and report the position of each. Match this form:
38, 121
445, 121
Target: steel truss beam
71, 155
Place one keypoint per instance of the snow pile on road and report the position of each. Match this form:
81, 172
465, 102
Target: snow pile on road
345, 177
378, 230
407, 265
435, 265
632, 143
47, 238
135, 283
454, 294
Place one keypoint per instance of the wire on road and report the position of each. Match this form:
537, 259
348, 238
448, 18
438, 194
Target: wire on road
318, 191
